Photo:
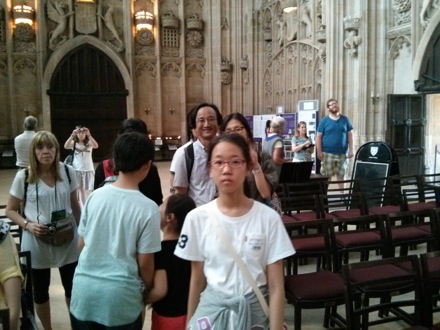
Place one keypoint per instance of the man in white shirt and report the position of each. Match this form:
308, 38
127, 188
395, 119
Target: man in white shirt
205, 119
23, 141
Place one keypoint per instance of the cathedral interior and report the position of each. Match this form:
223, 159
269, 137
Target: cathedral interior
95, 63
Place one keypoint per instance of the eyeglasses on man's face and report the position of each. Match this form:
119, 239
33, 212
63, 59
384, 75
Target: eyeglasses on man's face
236, 130
209, 120
235, 163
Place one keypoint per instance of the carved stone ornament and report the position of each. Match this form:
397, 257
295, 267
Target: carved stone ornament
85, 17
58, 13
226, 77
24, 32
321, 34
24, 47
194, 22
352, 42
194, 39
402, 11
225, 65
144, 37
244, 63
170, 21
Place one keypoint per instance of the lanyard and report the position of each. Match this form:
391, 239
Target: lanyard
38, 208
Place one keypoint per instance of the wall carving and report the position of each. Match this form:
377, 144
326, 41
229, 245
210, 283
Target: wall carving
352, 42
66, 18
24, 64
143, 66
402, 11
193, 68
397, 44
171, 67
24, 32
194, 39
226, 69
24, 47
429, 8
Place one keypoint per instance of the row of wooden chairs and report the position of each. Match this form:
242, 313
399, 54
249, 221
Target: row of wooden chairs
329, 199
337, 282
365, 234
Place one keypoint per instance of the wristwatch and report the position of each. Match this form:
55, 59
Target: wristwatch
172, 190
25, 225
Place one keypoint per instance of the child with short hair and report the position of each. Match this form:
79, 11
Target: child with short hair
119, 234
169, 294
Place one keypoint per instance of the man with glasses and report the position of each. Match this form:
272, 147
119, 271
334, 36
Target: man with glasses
334, 138
190, 163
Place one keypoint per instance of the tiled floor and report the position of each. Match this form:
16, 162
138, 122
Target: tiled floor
311, 319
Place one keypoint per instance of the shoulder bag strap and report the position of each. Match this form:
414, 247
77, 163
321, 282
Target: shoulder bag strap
247, 275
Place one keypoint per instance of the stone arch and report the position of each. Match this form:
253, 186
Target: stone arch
421, 54
62, 51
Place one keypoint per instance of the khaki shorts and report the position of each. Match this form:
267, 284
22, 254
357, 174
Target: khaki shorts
333, 164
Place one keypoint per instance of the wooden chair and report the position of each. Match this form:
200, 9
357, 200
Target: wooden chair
405, 229
300, 202
361, 234
381, 197
430, 263
347, 205
297, 208
27, 298
320, 289
4, 318
310, 240
383, 279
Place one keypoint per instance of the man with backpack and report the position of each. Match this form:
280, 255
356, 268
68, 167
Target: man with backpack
190, 162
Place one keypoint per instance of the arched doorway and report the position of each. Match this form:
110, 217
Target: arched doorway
87, 89
426, 73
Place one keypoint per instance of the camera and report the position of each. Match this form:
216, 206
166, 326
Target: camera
51, 228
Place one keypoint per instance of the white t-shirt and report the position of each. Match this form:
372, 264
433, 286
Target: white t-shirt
83, 161
200, 188
49, 199
176, 155
22, 144
259, 237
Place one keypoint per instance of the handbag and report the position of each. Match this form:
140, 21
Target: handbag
59, 233
69, 158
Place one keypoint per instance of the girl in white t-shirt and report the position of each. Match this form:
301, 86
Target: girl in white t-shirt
82, 141
219, 294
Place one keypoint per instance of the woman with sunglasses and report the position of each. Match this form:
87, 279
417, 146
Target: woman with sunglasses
301, 144
220, 296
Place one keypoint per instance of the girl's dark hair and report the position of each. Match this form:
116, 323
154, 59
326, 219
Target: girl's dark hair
179, 205
133, 125
131, 151
195, 110
241, 119
235, 139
